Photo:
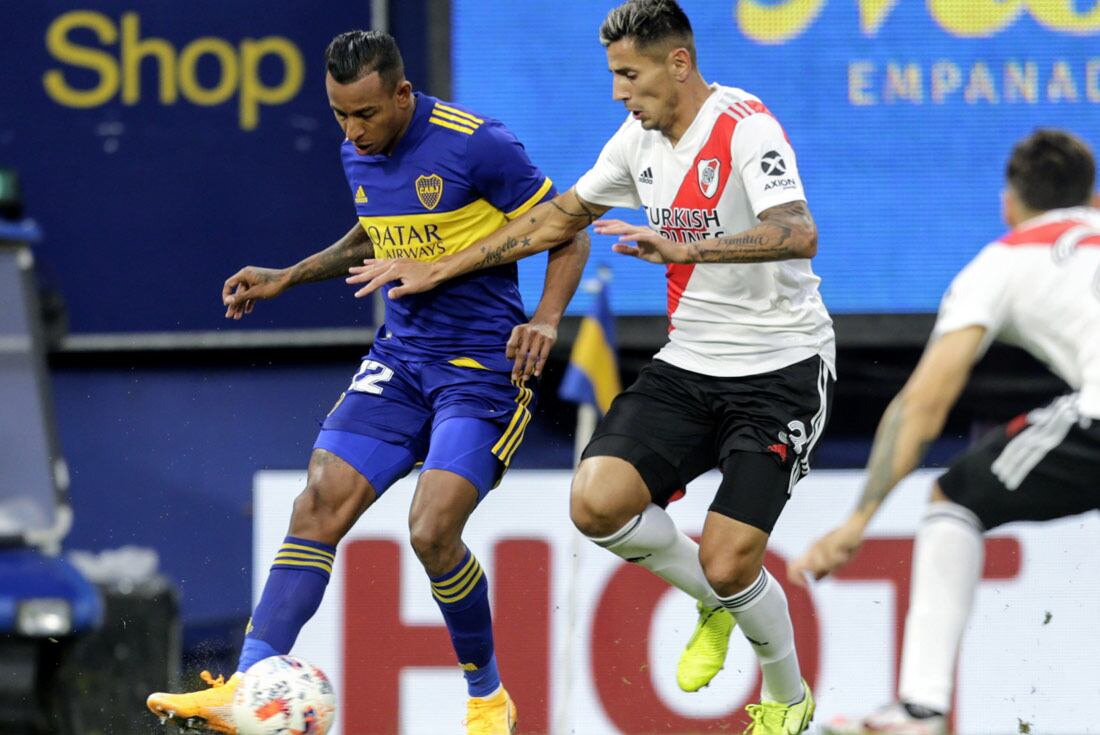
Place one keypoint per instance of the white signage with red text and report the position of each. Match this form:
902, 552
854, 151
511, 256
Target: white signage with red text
588, 644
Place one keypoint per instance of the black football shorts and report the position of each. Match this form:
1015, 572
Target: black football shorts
1042, 465
673, 425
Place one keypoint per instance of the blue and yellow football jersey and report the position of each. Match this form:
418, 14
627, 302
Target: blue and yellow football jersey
453, 178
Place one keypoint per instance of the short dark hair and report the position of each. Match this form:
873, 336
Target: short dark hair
355, 54
648, 22
1051, 169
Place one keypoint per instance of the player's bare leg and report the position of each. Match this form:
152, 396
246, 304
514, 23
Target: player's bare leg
336, 494
441, 506
607, 493
611, 504
732, 556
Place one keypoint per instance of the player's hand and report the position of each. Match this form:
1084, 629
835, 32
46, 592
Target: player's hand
529, 346
828, 553
648, 245
416, 276
248, 285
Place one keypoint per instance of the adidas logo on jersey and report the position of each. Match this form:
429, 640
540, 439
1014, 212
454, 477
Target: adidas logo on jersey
646, 177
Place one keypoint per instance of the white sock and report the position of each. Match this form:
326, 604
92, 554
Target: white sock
762, 616
947, 563
653, 541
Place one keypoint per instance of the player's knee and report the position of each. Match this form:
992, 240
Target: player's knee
730, 571
434, 540
311, 517
325, 513
593, 512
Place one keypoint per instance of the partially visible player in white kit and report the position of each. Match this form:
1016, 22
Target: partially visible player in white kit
1038, 287
744, 381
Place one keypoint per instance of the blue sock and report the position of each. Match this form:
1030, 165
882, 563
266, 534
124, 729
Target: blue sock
292, 594
463, 597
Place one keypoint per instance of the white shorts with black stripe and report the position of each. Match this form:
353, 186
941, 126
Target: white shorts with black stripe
1042, 465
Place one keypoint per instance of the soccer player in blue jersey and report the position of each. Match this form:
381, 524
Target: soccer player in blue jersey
439, 385
743, 383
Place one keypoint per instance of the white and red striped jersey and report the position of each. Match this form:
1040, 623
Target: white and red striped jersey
1038, 288
732, 163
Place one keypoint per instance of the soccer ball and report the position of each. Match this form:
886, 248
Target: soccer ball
283, 695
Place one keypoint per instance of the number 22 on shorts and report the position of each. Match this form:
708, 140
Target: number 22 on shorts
370, 377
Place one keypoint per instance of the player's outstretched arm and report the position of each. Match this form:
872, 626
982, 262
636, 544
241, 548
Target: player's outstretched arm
251, 284
912, 421
543, 227
530, 343
785, 232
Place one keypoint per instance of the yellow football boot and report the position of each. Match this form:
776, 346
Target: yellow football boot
492, 715
776, 718
705, 654
210, 709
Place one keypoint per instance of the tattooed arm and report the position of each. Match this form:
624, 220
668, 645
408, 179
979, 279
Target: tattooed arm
251, 284
334, 260
546, 226
785, 232
913, 420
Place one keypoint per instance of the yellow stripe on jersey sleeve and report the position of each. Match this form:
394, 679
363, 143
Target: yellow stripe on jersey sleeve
453, 126
438, 113
431, 235
532, 201
460, 113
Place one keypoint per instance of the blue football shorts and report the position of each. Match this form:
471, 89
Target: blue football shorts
457, 415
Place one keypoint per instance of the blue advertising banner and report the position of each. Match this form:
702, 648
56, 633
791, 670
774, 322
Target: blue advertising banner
162, 146
903, 113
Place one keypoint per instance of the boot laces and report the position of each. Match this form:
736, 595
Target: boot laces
765, 717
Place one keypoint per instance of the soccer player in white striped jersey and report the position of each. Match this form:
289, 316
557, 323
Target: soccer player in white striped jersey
1037, 287
744, 381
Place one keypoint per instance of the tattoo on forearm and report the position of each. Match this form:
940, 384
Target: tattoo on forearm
796, 211
335, 260
744, 240
743, 249
587, 214
495, 255
782, 234
881, 465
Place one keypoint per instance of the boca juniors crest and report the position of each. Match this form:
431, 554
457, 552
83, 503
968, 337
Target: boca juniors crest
708, 176
429, 189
